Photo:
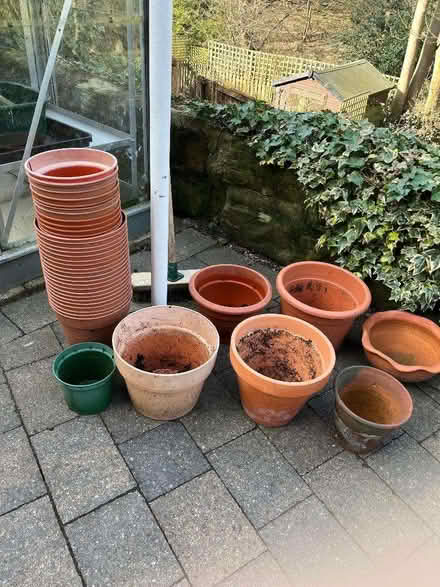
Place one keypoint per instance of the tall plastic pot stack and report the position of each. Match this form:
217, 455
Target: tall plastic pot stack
83, 240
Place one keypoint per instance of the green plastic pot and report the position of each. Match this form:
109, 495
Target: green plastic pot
86, 372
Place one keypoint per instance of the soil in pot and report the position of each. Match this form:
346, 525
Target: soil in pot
371, 403
167, 351
280, 355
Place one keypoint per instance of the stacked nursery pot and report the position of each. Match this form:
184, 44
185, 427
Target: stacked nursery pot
83, 240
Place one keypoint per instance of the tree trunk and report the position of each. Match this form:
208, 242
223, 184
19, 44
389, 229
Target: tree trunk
410, 59
426, 57
433, 100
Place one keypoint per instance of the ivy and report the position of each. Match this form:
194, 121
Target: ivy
376, 190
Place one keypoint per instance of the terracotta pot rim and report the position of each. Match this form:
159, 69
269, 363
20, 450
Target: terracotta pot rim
329, 315
168, 375
82, 186
83, 154
230, 311
96, 239
101, 316
403, 317
282, 385
58, 214
108, 316
396, 384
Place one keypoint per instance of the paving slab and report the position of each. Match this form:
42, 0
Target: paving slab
190, 242
425, 418
206, 529
81, 465
34, 552
8, 331
141, 262
261, 572
20, 478
431, 387
31, 312
229, 381
2, 376
39, 396
313, 549
432, 444
122, 420
260, 480
379, 521
306, 442
59, 333
350, 354
324, 403
27, 349
221, 255
223, 362
182, 583
217, 418
121, 545
9, 418
163, 459
413, 474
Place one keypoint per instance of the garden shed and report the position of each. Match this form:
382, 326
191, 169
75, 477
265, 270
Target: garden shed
341, 89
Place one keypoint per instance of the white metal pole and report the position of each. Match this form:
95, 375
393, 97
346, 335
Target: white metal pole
161, 15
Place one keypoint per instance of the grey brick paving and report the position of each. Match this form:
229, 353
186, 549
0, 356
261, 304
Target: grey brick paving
258, 477
384, 526
163, 459
8, 331
431, 387
223, 362
141, 261
59, 333
425, 418
221, 255
8, 416
30, 313
206, 529
123, 421
39, 396
189, 242
33, 550
217, 418
261, 572
121, 545
32, 347
306, 442
432, 444
81, 466
313, 549
350, 354
20, 478
324, 403
413, 474
2, 376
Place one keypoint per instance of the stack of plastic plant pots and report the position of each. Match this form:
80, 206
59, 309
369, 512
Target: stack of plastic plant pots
83, 240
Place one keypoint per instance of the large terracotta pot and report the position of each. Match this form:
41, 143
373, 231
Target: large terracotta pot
167, 338
370, 405
268, 401
324, 295
228, 294
92, 329
404, 345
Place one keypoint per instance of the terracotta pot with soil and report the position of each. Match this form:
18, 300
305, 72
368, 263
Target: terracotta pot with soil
228, 294
370, 405
280, 363
165, 354
404, 345
324, 295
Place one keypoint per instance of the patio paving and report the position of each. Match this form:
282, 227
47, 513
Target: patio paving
212, 499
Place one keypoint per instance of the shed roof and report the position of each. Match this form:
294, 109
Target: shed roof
346, 81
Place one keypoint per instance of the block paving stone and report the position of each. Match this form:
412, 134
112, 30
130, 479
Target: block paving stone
122, 420
425, 418
27, 349
30, 313
120, 544
217, 418
260, 480
20, 478
39, 396
306, 442
59, 333
432, 444
163, 459
81, 465
9, 418
413, 474
261, 572
8, 331
189, 242
2, 376
220, 255
384, 527
33, 549
206, 529
313, 549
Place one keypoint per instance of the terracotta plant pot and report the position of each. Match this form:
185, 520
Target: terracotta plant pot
88, 244
405, 345
91, 330
71, 165
268, 401
178, 346
324, 295
228, 294
74, 190
370, 405
76, 200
